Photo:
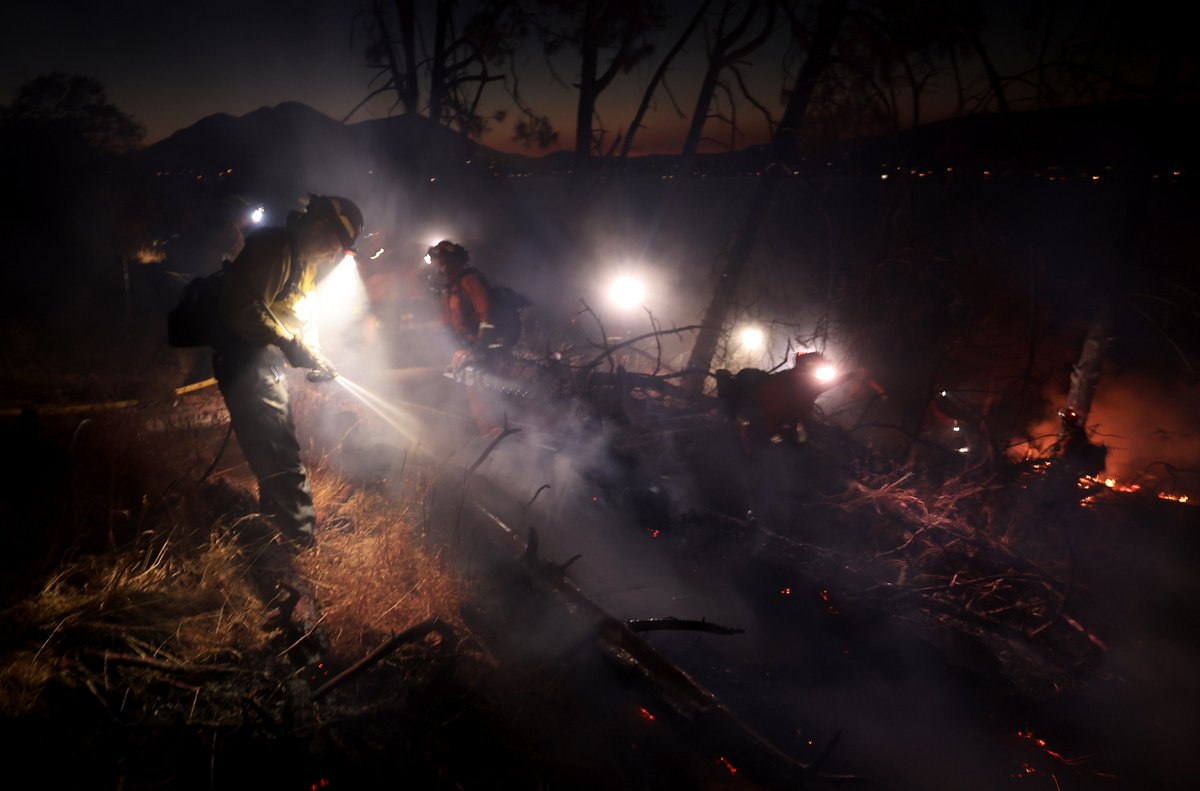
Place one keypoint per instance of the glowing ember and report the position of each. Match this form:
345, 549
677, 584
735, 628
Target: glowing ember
1115, 485
647, 714
785, 592
732, 769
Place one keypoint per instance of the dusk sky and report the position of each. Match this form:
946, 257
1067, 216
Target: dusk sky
171, 64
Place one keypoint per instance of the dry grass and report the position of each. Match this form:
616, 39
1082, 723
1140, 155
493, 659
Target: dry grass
371, 572
147, 603
154, 576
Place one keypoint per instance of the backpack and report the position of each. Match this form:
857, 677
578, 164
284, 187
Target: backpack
195, 320
507, 305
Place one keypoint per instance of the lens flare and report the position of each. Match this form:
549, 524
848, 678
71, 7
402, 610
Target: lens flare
826, 373
627, 292
753, 338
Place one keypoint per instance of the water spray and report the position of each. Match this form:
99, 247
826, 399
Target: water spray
389, 413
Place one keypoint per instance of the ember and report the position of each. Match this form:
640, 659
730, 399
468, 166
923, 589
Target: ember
732, 769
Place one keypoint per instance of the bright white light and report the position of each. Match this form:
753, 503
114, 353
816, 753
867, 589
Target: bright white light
340, 298
627, 292
428, 259
826, 373
257, 215
753, 338
377, 253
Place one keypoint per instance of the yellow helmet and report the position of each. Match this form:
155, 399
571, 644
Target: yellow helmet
344, 216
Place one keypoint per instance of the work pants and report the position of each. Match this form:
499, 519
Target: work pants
255, 391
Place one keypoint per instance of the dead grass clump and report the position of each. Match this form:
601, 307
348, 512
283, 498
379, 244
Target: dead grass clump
371, 574
145, 603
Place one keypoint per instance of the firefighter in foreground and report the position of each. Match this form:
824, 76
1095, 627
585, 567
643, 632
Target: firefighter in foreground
260, 323
483, 328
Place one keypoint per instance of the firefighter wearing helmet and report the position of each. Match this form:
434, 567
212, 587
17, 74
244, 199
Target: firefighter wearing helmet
260, 324
469, 309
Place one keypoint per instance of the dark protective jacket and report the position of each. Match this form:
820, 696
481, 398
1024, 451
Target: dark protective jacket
264, 290
261, 307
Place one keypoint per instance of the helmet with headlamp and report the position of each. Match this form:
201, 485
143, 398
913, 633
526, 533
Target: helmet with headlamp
343, 216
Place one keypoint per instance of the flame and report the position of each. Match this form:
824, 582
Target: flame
1114, 484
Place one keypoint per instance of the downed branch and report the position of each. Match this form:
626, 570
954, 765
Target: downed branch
434, 625
676, 624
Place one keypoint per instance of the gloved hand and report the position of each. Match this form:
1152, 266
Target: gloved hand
301, 355
459, 359
486, 337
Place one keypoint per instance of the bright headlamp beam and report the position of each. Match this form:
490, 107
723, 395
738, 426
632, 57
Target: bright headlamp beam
257, 215
826, 373
753, 338
627, 292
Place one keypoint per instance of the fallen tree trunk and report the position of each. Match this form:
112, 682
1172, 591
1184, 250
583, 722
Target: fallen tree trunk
699, 716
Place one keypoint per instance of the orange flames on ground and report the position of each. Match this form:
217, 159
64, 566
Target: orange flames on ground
1113, 484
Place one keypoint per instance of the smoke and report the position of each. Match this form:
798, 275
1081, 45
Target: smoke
1150, 427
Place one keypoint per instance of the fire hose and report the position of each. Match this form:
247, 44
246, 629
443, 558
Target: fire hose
70, 409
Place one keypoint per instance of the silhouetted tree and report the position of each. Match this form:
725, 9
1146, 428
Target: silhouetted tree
829, 18
453, 57
740, 29
659, 75
75, 108
611, 37
60, 146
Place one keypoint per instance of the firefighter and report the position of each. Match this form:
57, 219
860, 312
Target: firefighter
403, 309
260, 325
473, 314
778, 407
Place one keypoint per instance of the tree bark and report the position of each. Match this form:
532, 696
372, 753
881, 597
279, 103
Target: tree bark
410, 88
1085, 374
437, 75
